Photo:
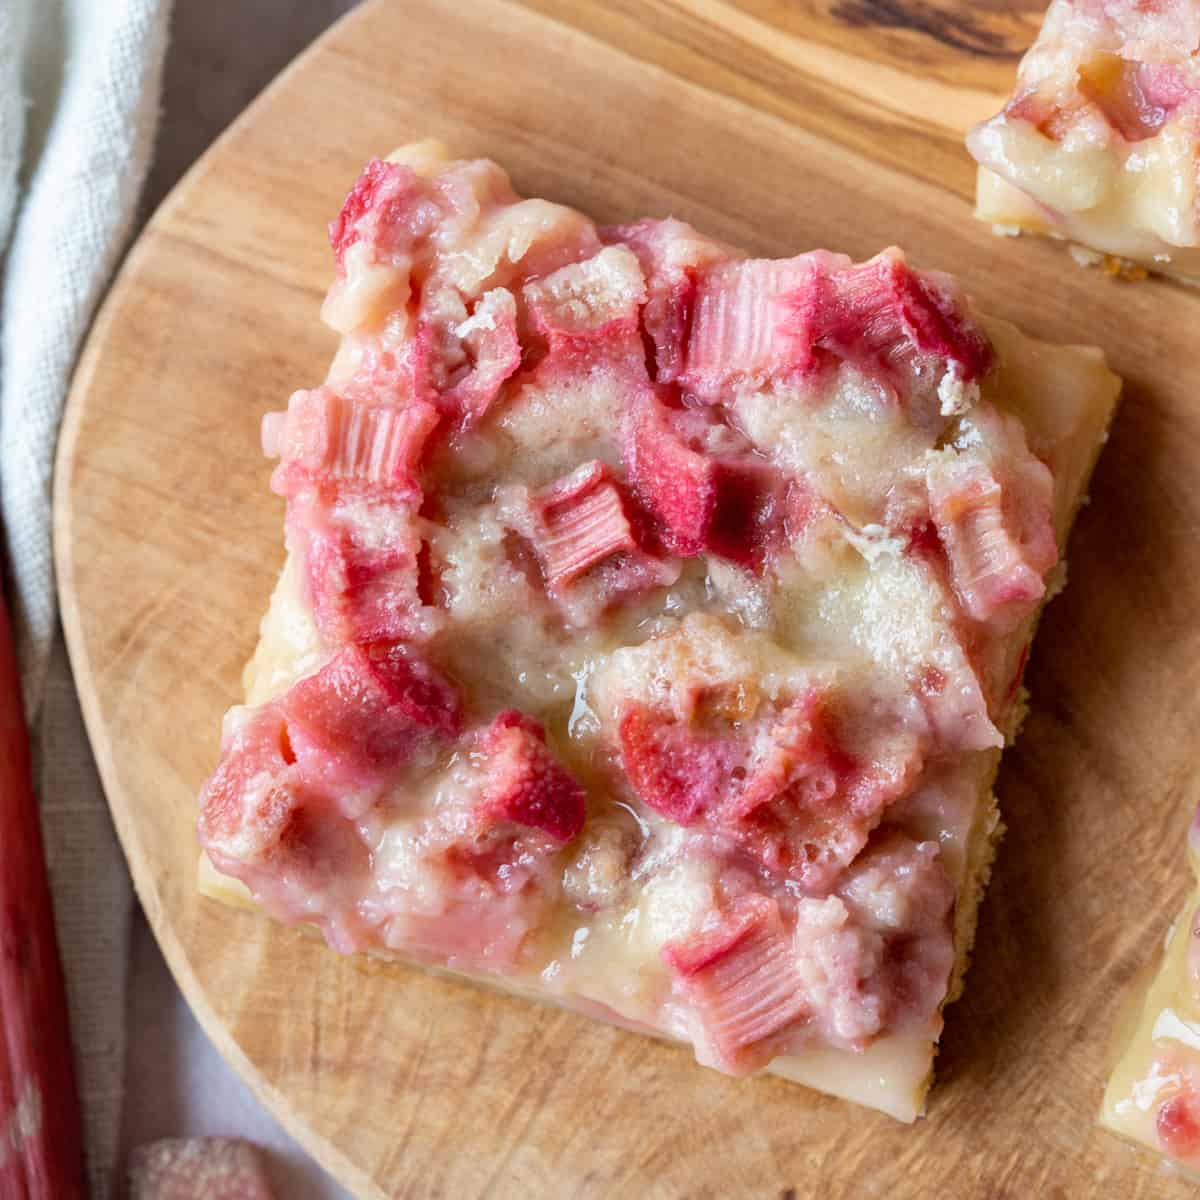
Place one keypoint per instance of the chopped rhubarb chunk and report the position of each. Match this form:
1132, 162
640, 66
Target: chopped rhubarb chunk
740, 975
998, 534
674, 770
1037, 109
719, 938
366, 711
674, 481
478, 926
780, 785
730, 504
701, 744
388, 685
802, 755
585, 542
1137, 99
376, 371
264, 821
361, 566
742, 323
584, 522
748, 514
490, 336
200, 1168
670, 253
1166, 87
881, 311
324, 434
760, 320
901, 889
809, 807
899, 886
843, 971
591, 302
525, 783
667, 318
487, 858
255, 753
380, 210
1177, 1124
587, 342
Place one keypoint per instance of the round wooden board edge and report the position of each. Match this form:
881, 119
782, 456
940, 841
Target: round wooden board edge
108, 314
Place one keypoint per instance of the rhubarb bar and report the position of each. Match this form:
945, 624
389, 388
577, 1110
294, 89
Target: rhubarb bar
652, 621
1153, 1096
1098, 142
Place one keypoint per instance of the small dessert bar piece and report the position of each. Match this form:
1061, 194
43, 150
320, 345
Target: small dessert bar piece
1153, 1096
1098, 142
652, 622
199, 1168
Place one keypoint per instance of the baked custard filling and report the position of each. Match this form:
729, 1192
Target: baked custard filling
1098, 142
652, 622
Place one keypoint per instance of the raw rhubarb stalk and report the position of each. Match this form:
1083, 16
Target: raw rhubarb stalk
40, 1142
12, 1170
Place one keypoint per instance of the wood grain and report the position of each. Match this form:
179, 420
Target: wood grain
780, 127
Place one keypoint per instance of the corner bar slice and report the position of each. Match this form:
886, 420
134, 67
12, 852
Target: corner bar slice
1098, 142
652, 622
1153, 1095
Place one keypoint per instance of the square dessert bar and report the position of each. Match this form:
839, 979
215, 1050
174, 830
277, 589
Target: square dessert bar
1098, 141
652, 622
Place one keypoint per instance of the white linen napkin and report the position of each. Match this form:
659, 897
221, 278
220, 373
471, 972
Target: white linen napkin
79, 95
79, 86
92, 75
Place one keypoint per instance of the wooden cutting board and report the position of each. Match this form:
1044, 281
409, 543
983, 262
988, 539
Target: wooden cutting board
780, 126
